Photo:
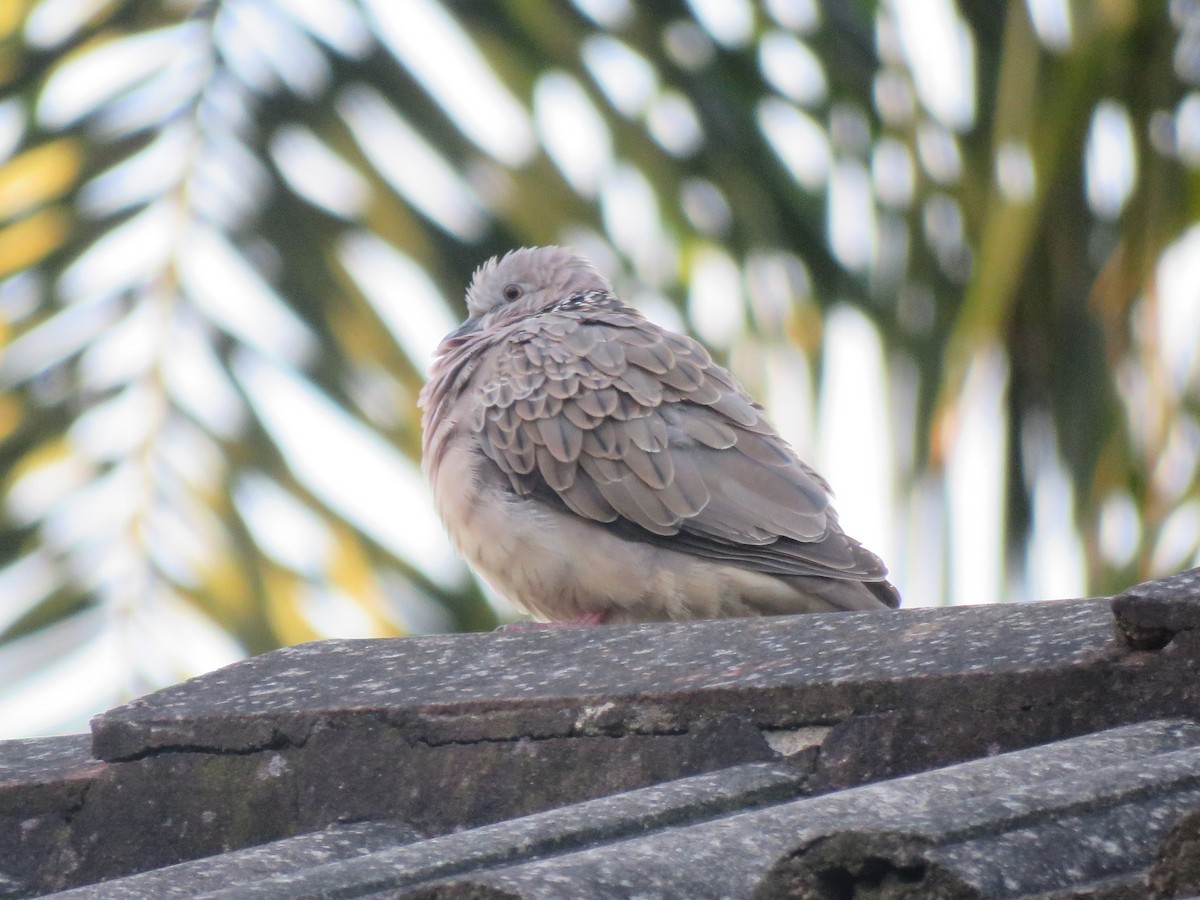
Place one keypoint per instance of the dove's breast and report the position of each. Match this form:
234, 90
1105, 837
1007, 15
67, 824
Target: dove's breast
561, 567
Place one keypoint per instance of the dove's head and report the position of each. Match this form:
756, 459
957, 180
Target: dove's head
524, 282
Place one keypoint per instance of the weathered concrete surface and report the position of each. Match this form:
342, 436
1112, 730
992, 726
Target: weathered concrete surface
1150, 615
173, 806
43, 773
43, 782
226, 871
1014, 676
1176, 870
1102, 824
647, 679
597, 821
455, 732
914, 836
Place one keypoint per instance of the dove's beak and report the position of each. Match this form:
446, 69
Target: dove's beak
468, 327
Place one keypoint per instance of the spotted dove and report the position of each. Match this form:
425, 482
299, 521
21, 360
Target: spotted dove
595, 467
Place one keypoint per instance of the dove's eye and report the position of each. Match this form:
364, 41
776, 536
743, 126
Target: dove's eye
512, 292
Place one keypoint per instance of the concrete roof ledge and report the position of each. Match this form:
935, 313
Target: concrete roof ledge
933, 750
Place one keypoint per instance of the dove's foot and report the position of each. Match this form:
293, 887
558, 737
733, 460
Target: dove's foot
583, 619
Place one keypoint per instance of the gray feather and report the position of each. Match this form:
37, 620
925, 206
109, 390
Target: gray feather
588, 407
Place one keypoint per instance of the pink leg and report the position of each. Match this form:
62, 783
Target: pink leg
588, 618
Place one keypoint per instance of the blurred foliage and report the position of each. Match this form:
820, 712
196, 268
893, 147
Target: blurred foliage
188, 193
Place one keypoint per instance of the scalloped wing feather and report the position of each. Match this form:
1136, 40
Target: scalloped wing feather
636, 428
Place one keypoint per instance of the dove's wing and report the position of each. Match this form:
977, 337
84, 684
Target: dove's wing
637, 428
